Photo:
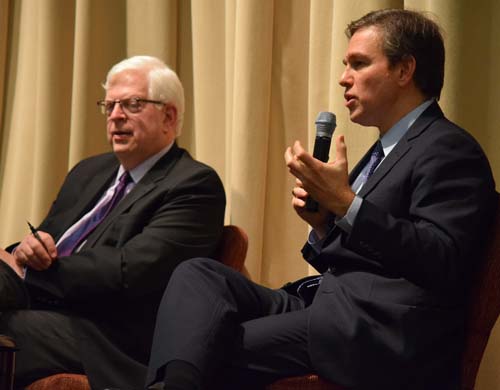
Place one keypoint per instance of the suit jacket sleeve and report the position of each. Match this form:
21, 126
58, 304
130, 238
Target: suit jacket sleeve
176, 213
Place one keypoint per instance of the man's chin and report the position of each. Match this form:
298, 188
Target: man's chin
358, 118
355, 118
121, 147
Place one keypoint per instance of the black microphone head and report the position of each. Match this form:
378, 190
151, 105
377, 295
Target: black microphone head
325, 124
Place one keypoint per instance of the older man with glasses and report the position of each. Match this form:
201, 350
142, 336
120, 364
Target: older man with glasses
80, 295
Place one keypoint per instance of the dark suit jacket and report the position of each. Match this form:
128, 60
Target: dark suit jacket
113, 286
389, 313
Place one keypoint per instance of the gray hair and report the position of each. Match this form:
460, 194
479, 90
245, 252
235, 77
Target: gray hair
163, 83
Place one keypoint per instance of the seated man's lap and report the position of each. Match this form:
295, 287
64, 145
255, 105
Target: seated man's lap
46, 344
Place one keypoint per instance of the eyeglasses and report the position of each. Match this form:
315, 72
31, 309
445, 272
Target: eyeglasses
130, 106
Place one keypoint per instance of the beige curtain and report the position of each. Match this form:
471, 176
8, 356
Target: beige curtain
256, 73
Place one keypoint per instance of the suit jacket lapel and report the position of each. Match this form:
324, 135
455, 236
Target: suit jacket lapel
402, 147
147, 184
385, 166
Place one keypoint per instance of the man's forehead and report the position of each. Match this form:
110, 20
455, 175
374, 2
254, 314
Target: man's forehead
129, 77
133, 80
364, 41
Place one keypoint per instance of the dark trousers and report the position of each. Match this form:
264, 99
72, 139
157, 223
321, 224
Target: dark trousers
45, 341
242, 333
44, 338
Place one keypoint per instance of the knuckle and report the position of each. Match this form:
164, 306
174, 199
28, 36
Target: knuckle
300, 154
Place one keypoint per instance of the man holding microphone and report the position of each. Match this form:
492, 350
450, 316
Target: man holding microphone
395, 243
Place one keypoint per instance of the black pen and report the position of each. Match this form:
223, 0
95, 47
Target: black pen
37, 236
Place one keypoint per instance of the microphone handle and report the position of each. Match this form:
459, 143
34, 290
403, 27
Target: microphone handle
321, 150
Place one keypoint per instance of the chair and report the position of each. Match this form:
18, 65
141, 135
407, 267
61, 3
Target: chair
483, 308
7, 362
62, 382
232, 251
482, 312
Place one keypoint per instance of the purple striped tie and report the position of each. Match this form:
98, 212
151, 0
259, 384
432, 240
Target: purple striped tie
71, 242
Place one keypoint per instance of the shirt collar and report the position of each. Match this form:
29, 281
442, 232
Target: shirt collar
396, 132
139, 171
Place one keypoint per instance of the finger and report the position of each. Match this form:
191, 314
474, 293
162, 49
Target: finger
49, 244
20, 257
292, 162
302, 155
31, 261
299, 192
299, 183
297, 148
298, 204
39, 257
288, 155
24, 250
36, 262
39, 264
341, 149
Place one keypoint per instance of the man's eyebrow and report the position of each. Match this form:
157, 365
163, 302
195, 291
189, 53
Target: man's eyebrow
355, 56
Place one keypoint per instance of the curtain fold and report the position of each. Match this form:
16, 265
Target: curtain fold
52, 98
4, 29
152, 29
18, 163
251, 96
255, 72
97, 45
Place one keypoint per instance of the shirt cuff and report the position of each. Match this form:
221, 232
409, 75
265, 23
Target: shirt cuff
347, 221
24, 267
314, 241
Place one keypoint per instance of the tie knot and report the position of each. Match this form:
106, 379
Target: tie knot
125, 178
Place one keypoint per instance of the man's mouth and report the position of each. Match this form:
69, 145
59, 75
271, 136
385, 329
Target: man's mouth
349, 99
121, 133
121, 136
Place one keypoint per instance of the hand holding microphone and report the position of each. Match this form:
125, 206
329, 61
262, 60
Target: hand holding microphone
318, 179
325, 125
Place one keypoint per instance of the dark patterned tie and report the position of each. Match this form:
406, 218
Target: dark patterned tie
71, 242
375, 158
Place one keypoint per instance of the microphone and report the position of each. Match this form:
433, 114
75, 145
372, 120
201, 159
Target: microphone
325, 125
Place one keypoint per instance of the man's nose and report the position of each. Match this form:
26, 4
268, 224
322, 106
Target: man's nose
344, 78
117, 112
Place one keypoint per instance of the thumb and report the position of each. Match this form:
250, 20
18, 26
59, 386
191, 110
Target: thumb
341, 149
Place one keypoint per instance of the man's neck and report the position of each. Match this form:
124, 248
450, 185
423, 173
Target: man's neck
406, 103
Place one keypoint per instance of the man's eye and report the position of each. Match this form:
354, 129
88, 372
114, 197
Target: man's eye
357, 64
134, 104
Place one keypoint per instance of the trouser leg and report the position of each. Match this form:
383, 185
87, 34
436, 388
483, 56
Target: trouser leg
200, 316
45, 341
272, 347
13, 294
46, 345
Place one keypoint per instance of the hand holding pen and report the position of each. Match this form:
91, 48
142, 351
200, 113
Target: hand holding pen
37, 236
37, 250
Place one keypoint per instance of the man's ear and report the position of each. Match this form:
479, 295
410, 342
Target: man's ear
170, 118
406, 70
